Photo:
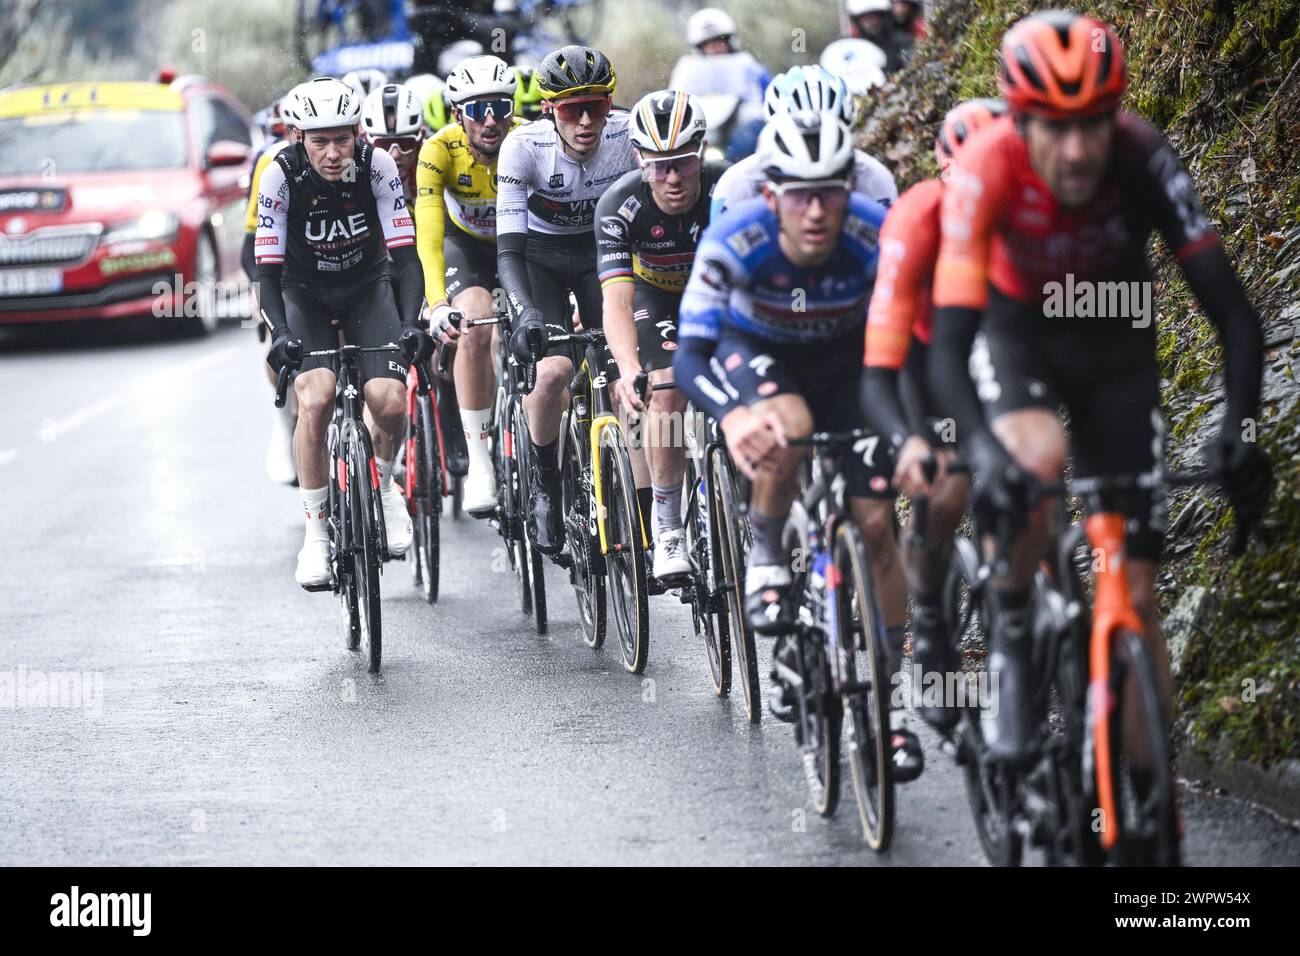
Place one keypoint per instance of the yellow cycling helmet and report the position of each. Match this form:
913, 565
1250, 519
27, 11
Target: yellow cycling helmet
574, 70
435, 110
528, 95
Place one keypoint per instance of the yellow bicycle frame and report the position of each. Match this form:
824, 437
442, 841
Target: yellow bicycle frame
598, 426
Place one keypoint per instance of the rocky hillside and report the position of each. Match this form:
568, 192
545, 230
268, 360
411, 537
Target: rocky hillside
1221, 78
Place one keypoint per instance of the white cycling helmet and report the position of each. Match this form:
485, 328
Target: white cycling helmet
810, 88
859, 62
366, 81
323, 103
392, 110
708, 24
450, 58
481, 76
805, 145
856, 8
666, 120
424, 85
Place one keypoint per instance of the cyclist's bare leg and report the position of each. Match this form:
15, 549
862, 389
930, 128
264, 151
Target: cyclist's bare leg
385, 415
1142, 582
927, 565
664, 426
875, 519
1037, 441
545, 404
315, 392
777, 482
476, 385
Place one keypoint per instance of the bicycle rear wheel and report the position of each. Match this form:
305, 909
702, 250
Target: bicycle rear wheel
365, 516
1141, 777
426, 485
580, 533
726, 530
625, 551
532, 579
864, 693
819, 717
709, 624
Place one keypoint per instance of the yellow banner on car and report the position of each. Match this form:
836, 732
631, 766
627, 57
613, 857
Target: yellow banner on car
62, 97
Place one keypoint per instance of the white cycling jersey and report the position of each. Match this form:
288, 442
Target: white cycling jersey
745, 179
541, 189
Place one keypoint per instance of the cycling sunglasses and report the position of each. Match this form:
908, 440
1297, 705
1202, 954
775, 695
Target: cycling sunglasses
405, 144
833, 193
478, 110
687, 164
571, 111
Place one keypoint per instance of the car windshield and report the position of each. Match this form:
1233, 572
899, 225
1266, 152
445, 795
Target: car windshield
82, 141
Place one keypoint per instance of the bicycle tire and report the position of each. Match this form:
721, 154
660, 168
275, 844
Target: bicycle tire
365, 550
866, 712
427, 500
990, 789
532, 578
579, 530
725, 524
820, 716
625, 557
1148, 826
709, 624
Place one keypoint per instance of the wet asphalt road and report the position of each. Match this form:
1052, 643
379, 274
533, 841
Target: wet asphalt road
143, 544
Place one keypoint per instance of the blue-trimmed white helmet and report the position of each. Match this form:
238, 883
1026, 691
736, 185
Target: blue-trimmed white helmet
810, 88
805, 145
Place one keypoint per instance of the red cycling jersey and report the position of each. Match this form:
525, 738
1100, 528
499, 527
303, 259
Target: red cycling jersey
900, 302
1002, 225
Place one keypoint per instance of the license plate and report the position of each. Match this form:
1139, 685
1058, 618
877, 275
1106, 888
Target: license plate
30, 281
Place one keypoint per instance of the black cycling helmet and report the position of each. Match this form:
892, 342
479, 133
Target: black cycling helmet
574, 70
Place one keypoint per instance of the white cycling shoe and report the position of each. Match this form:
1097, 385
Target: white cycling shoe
313, 571
671, 559
397, 520
480, 491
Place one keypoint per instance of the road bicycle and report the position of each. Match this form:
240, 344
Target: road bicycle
1102, 789
605, 539
839, 677
358, 542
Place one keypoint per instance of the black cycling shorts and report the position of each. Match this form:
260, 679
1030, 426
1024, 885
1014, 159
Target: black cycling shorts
469, 262
556, 269
655, 312
1108, 384
368, 318
826, 376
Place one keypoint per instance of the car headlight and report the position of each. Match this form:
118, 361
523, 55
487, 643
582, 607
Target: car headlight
154, 226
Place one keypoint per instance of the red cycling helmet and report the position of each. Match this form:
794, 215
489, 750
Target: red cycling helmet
962, 120
1061, 64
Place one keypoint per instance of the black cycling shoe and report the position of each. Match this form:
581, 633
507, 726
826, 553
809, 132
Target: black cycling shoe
453, 433
1012, 733
931, 655
545, 523
906, 755
768, 601
781, 696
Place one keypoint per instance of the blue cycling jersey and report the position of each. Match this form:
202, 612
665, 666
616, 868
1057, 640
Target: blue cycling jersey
742, 281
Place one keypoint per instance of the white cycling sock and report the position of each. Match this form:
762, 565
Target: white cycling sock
385, 469
478, 432
316, 513
668, 507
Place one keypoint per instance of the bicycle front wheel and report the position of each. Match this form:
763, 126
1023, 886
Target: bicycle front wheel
365, 517
864, 688
710, 624
1141, 780
532, 581
819, 716
426, 484
726, 529
580, 535
625, 551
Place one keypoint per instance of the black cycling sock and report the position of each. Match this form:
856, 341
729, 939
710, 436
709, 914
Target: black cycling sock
645, 499
767, 539
547, 457
1013, 613
894, 637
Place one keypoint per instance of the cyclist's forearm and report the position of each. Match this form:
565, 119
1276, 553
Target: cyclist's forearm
620, 329
914, 390
430, 223
513, 270
1211, 278
410, 284
247, 259
881, 406
695, 379
270, 296
954, 333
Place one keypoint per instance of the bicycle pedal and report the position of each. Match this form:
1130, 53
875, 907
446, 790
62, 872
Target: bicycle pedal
327, 586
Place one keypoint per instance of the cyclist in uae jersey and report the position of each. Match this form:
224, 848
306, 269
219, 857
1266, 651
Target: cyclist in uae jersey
647, 227
779, 298
900, 407
1044, 225
456, 231
334, 213
551, 175
806, 88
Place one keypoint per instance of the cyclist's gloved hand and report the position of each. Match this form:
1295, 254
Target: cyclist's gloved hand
528, 341
999, 482
417, 345
1247, 475
286, 351
445, 322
